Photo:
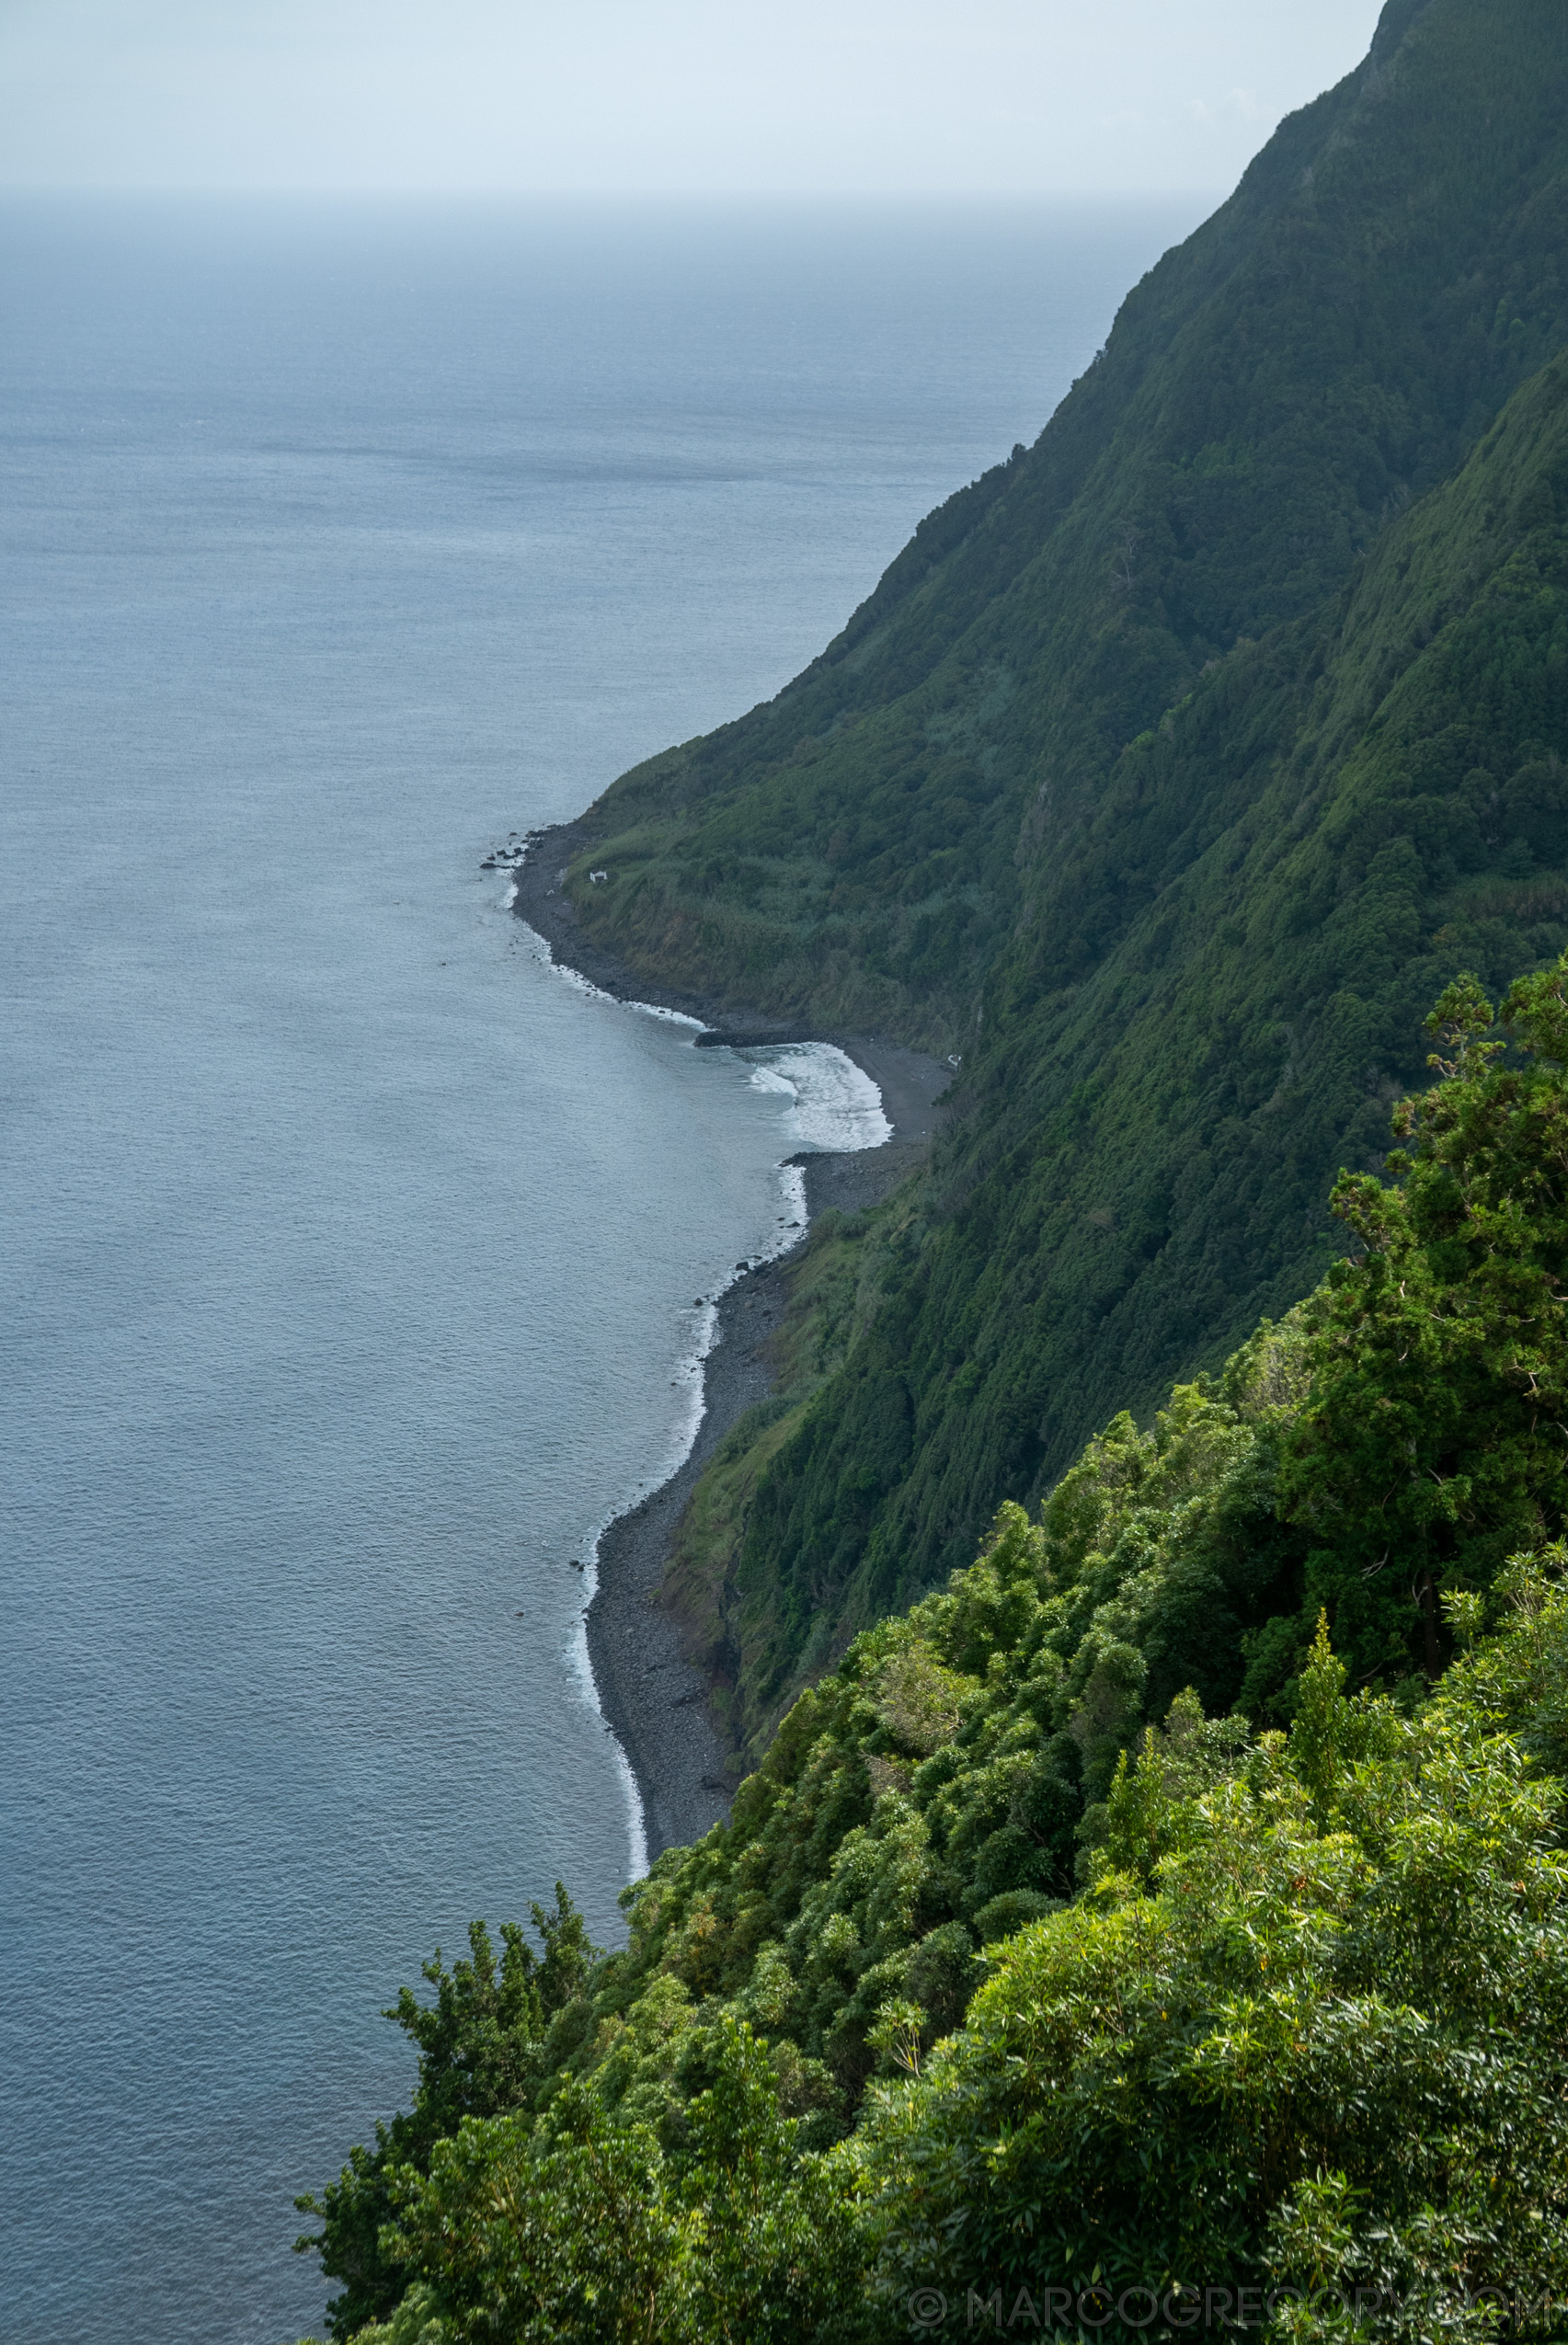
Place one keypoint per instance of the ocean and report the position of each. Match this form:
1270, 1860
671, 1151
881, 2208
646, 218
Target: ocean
357, 1261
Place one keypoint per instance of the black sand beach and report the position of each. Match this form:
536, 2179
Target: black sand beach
655, 1699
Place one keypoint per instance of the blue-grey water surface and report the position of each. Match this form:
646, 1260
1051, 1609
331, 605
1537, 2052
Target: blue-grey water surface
351, 1252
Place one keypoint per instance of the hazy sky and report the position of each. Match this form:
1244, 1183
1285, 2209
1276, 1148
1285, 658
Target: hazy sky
678, 94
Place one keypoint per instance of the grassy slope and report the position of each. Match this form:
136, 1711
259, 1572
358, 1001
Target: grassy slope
1333, 823
1172, 769
835, 1296
1325, 347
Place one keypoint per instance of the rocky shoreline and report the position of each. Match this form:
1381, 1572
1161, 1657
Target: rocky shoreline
653, 1696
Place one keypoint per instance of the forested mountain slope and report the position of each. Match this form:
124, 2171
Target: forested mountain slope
1323, 1979
1327, 347
1335, 822
1168, 773
1299, 2045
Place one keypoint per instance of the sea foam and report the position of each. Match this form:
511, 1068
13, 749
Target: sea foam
837, 1104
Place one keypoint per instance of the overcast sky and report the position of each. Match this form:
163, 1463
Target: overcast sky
804, 96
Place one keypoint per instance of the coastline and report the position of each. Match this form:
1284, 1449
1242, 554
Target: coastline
653, 1696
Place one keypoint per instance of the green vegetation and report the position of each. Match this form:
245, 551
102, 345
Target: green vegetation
1175, 1897
1325, 349
1136, 1178
1091, 1851
733, 1623
478, 2046
1303, 2029
1173, 770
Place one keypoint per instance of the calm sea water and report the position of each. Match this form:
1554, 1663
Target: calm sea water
351, 1253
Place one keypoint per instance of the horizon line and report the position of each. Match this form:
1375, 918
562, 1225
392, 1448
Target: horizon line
383, 191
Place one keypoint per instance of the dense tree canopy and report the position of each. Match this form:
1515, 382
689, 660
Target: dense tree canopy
1303, 2034
1082, 1927
1299, 2039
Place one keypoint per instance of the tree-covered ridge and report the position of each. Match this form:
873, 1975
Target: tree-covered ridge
1279, 877
1171, 772
1300, 2035
1323, 349
970, 1770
